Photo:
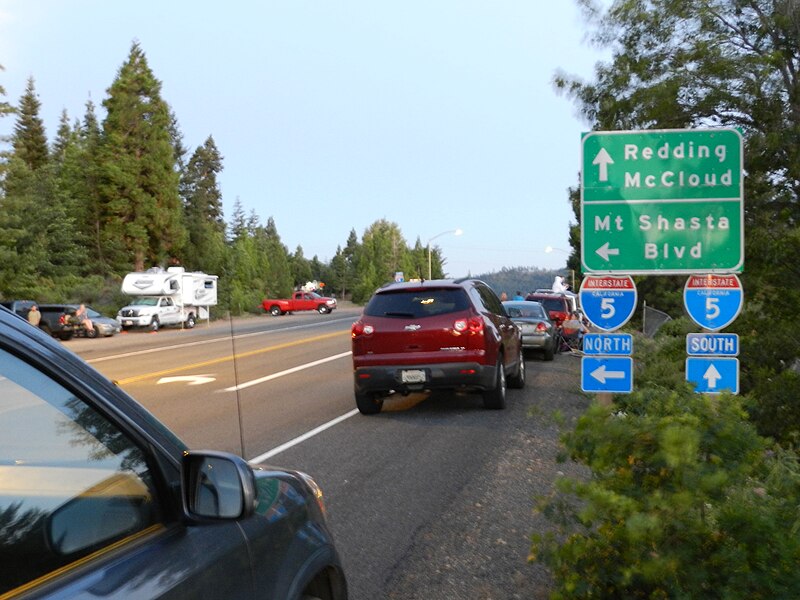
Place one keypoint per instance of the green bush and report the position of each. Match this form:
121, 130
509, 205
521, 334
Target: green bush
685, 498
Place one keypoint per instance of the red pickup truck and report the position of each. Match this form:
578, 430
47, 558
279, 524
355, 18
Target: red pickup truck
300, 301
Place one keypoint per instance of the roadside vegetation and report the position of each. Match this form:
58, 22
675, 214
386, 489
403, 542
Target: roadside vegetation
690, 495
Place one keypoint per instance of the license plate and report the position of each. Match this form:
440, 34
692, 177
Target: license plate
415, 376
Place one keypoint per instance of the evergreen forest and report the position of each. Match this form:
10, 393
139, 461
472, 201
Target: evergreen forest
122, 193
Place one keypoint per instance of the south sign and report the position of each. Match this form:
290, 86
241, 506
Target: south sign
713, 301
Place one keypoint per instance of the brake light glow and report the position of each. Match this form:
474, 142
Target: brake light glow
473, 325
542, 327
359, 328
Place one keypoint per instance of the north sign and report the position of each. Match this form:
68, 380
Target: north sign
607, 344
713, 301
665, 201
608, 301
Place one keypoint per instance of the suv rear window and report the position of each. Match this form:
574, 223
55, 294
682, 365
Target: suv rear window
417, 303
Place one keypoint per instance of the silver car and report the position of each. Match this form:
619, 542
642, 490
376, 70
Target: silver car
538, 331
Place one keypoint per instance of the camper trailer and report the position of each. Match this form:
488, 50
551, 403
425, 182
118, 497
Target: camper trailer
167, 297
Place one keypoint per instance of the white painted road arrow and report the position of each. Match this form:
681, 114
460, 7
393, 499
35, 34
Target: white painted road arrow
712, 376
190, 379
602, 375
603, 159
604, 251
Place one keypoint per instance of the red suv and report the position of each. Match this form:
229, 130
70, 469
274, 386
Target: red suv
557, 304
435, 335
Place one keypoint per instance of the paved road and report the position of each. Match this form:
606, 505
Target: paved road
430, 499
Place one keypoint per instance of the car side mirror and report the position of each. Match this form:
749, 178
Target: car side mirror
217, 485
111, 510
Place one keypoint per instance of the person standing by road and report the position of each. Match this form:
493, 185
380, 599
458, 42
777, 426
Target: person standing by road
34, 316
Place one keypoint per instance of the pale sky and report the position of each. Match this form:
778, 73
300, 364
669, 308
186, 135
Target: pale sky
435, 114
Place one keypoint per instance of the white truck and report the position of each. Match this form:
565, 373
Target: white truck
167, 297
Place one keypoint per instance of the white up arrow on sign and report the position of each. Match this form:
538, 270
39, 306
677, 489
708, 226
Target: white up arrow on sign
712, 376
603, 159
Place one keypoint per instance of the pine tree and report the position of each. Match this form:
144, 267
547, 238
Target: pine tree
202, 200
279, 274
29, 139
140, 211
37, 246
301, 269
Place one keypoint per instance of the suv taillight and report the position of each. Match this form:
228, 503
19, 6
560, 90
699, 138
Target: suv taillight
359, 328
473, 324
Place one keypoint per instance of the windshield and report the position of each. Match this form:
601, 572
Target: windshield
145, 301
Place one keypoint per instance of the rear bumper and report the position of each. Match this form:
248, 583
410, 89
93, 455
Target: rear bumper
537, 342
442, 376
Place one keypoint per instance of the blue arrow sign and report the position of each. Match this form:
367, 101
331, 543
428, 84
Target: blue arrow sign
713, 301
608, 301
607, 374
712, 344
713, 375
608, 344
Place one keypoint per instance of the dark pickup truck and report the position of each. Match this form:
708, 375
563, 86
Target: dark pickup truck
54, 321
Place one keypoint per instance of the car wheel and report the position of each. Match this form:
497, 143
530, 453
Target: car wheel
549, 352
91, 333
518, 380
154, 324
65, 336
190, 322
275, 311
496, 397
369, 404
323, 310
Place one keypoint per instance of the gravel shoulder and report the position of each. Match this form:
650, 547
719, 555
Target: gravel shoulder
479, 548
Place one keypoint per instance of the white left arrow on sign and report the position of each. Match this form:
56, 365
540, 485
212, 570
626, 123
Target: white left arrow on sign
605, 251
190, 379
601, 374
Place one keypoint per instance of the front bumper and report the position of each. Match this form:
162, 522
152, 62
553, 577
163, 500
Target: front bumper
140, 321
442, 376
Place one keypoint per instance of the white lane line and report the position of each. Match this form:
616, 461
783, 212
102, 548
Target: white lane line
270, 453
223, 338
247, 384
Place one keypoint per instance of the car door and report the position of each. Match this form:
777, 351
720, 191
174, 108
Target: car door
88, 501
169, 311
508, 331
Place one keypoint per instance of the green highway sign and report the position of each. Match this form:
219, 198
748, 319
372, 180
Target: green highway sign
662, 201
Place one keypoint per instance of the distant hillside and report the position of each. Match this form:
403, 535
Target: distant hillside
523, 279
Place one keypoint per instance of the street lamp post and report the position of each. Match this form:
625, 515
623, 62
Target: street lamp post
550, 249
453, 231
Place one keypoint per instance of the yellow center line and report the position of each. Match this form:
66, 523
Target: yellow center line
232, 357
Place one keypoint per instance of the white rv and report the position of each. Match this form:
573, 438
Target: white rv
171, 297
